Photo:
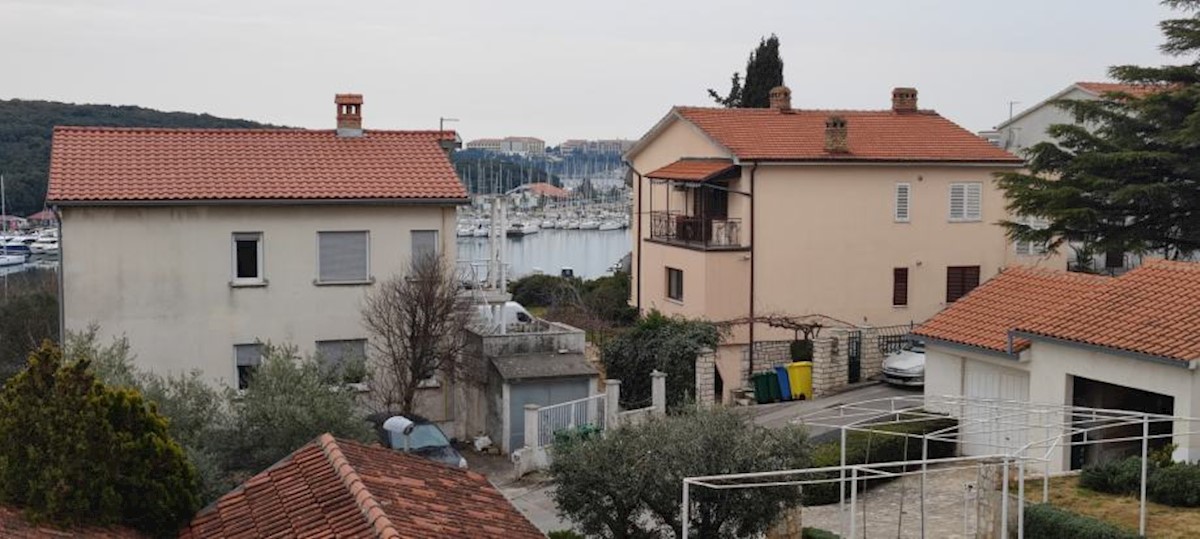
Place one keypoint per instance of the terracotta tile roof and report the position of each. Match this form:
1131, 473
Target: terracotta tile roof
546, 189
1101, 88
338, 488
13, 524
884, 135
693, 170
98, 164
1153, 310
984, 317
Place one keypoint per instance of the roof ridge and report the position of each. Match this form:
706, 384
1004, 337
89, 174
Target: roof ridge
273, 130
366, 502
919, 112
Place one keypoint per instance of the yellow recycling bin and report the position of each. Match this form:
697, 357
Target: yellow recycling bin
800, 378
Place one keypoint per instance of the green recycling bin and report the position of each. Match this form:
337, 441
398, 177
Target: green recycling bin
773, 386
762, 389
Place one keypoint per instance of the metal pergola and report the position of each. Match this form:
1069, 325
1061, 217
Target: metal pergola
1034, 432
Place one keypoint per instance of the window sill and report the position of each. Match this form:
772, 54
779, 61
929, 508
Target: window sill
900, 307
362, 282
964, 220
248, 284
675, 301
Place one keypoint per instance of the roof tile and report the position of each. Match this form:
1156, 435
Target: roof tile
693, 170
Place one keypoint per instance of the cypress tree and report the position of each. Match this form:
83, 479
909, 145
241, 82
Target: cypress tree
764, 70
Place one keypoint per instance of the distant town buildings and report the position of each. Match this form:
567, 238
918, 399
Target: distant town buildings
616, 146
523, 146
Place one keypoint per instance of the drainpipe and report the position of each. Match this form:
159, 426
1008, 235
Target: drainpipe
62, 311
753, 192
637, 237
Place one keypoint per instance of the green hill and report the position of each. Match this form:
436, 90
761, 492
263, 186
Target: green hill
26, 128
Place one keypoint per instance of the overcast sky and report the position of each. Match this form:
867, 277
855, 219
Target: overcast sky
556, 69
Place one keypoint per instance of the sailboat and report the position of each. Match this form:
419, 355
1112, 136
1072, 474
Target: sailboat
6, 259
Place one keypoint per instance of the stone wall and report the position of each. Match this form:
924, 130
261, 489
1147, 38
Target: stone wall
706, 371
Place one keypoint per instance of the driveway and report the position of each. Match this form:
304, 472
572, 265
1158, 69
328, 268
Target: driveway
783, 413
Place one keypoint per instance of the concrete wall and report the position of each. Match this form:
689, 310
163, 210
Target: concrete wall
161, 276
1030, 129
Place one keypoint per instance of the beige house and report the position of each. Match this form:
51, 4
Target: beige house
873, 218
198, 243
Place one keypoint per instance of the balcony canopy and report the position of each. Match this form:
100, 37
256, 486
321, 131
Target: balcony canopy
696, 170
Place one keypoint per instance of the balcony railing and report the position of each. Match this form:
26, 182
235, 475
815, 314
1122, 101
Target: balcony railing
694, 231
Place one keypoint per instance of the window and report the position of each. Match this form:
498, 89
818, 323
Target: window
343, 257
903, 194
675, 284
1031, 247
247, 258
899, 286
343, 357
960, 280
247, 358
966, 201
424, 244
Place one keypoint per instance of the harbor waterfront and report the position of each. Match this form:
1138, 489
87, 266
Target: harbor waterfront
590, 253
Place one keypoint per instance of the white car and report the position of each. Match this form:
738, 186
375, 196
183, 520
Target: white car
906, 367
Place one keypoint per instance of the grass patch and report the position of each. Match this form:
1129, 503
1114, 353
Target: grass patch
1162, 521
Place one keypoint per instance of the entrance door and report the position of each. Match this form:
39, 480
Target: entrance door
986, 429
854, 356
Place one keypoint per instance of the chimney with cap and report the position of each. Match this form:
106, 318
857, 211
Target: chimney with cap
781, 99
835, 135
349, 114
904, 99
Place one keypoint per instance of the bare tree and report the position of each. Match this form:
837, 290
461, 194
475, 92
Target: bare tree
417, 324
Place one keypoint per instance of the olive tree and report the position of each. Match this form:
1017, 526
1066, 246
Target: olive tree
645, 498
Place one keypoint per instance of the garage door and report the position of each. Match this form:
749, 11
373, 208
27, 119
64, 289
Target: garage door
986, 429
541, 393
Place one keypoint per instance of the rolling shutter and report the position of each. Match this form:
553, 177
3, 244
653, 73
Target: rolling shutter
343, 256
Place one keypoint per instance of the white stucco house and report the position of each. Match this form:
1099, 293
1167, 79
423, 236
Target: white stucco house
196, 244
1043, 336
1028, 127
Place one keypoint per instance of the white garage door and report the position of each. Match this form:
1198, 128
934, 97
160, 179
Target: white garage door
988, 430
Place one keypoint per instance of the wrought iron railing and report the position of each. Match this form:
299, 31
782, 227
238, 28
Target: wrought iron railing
694, 230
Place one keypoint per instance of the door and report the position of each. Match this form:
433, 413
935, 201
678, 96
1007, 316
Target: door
988, 428
541, 393
854, 357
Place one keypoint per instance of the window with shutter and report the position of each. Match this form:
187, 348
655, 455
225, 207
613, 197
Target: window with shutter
247, 358
1031, 247
960, 280
899, 286
966, 201
333, 355
343, 257
903, 195
424, 244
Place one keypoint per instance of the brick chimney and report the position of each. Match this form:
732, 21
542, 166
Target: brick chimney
349, 114
904, 99
781, 98
835, 135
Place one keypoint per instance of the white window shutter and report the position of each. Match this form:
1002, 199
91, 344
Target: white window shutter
958, 201
974, 207
903, 196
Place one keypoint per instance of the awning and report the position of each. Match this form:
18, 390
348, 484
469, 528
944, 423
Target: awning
696, 170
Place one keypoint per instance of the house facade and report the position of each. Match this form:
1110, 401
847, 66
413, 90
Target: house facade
198, 244
1069, 339
872, 218
1027, 128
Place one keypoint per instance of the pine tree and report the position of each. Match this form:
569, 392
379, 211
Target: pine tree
764, 70
1126, 175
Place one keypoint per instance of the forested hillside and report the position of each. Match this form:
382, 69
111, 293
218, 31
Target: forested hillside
26, 128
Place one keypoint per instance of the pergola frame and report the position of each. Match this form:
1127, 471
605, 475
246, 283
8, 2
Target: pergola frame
974, 415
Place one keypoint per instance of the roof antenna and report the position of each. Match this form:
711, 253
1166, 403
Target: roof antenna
1010, 108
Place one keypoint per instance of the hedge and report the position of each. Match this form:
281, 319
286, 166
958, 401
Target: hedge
1174, 484
817, 533
1177, 485
883, 448
1114, 477
1043, 520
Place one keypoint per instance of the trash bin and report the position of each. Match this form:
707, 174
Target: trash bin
762, 388
773, 386
800, 377
785, 389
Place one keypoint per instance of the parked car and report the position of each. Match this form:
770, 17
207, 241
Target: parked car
906, 367
418, 436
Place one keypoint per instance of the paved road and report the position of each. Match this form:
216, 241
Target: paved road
777, 415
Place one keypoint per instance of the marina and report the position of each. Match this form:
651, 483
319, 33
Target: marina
588, 253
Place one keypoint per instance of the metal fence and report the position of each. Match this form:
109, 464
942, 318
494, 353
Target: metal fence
891, 339
586, 412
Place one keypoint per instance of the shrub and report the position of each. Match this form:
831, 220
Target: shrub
869, 447
542, 290
817, 533
1043, 520
1176, 485
1114, 477
658, 342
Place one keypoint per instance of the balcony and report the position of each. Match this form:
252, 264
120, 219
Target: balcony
697, 232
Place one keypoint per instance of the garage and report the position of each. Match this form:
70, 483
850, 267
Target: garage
1096, 394
541, 379
985, 431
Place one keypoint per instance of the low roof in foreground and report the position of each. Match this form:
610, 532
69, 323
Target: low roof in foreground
339, 488
548, 365
1153, 310
693, 170
98, 165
